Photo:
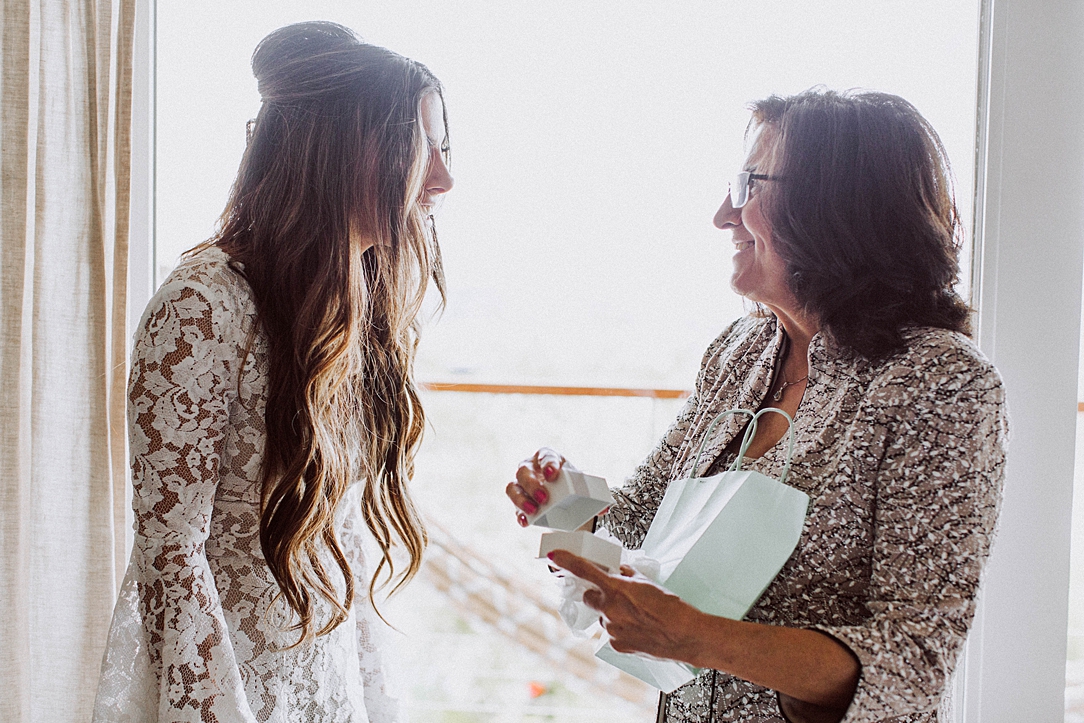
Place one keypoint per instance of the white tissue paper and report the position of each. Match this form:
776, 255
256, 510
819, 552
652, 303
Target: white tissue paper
574, 611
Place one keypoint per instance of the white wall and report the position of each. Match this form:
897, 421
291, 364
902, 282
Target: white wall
1030, 215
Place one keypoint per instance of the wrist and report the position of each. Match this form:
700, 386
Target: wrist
694, 631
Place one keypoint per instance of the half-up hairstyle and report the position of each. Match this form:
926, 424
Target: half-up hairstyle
863, 214
324, 223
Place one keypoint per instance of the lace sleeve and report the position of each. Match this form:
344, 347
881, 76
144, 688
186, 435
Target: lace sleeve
180, 391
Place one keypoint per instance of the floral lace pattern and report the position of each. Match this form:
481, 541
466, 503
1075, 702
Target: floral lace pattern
903, 462
198, 632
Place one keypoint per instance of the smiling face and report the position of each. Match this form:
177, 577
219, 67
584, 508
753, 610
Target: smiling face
438, 180
760, 274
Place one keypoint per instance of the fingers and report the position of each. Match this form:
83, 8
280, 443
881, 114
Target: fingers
596, 600
587, 570
548, 462
521, 499
531, 483
620, 645
581, 568
528, 493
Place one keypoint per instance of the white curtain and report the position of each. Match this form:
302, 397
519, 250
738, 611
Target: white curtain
65, 88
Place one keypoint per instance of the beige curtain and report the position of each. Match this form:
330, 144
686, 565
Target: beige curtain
65, 88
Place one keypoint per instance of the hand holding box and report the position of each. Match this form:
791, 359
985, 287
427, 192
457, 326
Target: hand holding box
574, 498
719, 542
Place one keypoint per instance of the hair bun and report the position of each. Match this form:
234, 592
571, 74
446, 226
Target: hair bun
283, 58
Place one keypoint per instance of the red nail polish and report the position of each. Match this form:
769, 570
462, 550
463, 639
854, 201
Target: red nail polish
530, 507
549, 471
549, 555
521, 520
541, 496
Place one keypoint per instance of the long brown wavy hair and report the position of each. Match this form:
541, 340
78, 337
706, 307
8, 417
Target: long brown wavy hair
336, 160
863, 213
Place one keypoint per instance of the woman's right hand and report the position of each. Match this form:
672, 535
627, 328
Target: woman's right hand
528, 493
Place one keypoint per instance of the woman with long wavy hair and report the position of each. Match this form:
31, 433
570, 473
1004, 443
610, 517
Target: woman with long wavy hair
272, 413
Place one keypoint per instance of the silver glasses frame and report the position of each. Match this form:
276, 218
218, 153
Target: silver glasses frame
739, 188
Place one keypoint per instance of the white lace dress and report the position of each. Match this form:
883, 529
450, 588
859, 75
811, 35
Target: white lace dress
197, 633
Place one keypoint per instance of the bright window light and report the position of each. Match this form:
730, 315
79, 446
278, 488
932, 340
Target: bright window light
591, 145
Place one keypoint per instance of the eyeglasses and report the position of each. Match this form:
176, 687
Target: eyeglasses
741, 187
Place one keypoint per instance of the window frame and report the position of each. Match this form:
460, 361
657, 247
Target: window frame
1027, 261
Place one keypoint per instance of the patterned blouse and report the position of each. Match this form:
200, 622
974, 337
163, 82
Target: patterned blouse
903, 462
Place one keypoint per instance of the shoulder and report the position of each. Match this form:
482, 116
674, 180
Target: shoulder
204, 302
946, 357
937, 367
208, 272
205, 284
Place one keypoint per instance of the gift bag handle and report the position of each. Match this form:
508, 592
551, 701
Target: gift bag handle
747, 439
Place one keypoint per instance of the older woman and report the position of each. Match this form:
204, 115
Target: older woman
845, 234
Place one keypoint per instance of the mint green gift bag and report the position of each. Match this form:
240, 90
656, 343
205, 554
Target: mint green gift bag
719, 542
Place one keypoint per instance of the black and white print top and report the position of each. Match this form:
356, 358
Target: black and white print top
903, 461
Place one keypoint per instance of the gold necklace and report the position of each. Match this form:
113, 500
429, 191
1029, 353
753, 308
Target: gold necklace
779, 392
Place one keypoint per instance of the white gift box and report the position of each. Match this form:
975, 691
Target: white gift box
574, 498
584, 544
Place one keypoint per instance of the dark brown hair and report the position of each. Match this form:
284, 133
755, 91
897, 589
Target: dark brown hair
864, 216
336, 155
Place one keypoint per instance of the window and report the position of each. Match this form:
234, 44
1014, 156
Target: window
590, 150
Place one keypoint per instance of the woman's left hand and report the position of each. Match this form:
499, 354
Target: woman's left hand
641, 617
638, 615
